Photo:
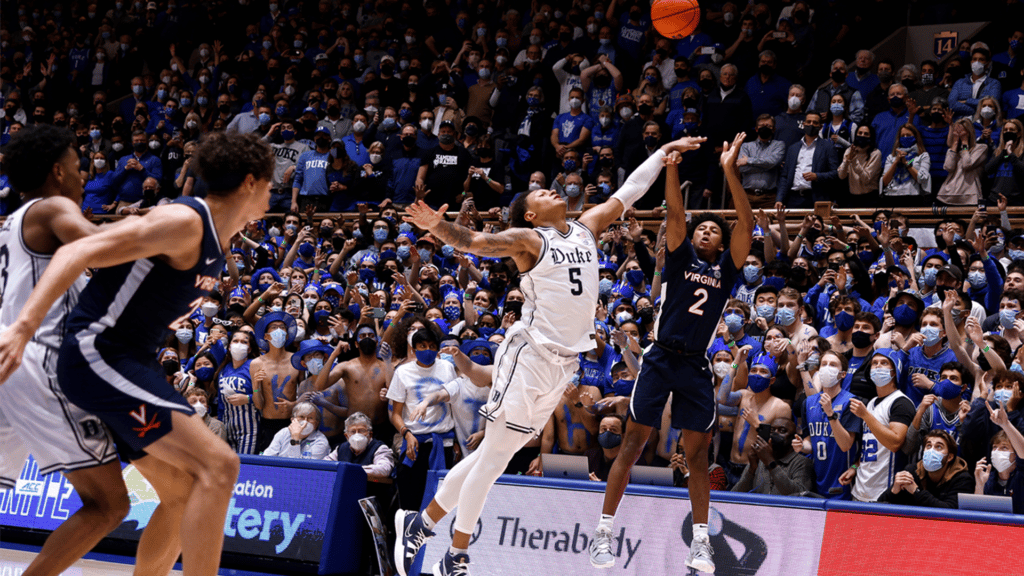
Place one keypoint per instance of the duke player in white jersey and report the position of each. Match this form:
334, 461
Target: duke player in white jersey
150, 275
35, 416
559, 264
701, 265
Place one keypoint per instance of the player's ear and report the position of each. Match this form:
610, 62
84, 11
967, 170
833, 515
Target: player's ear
529, 216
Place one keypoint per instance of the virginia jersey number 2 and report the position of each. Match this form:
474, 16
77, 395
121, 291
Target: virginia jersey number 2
702, 295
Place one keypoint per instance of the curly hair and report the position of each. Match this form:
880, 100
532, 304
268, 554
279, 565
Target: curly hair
30, 155
699, 219
226, 159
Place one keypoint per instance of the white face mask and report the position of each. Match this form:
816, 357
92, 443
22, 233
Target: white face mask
977, 68
200, 409
209, 309
99, 163
359, 127
426, 124
375, 158
626, 112
307, 429
358, 442
988, 112
534, 186
239, 351
300, 334
794, 103
828, 375
721, 369
1001, 460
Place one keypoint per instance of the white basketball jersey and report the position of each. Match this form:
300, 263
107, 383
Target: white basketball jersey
561, 290
20, 270
878, 465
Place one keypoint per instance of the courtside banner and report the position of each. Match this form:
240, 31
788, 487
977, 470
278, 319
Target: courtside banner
275, 511
545, 526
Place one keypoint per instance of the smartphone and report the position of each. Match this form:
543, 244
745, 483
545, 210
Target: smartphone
834, 267
504, 215
778, 35
982, 207
516, 307
765, 432
417, 308
378, 313
707, 50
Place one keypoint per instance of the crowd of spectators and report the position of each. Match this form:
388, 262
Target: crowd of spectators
366, 340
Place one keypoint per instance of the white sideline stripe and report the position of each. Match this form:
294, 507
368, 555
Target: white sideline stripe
87, 345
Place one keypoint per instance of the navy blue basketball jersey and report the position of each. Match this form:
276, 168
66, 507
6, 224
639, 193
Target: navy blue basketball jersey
132, 306
694, 295
829, 460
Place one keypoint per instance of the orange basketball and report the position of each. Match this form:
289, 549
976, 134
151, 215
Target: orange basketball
675, 19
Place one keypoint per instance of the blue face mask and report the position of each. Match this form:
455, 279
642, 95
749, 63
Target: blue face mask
608, 439
785, 316
280, 110
766, 311
1002, 396
482, 359
202, 101
907, 141
690, 127
604, 287
380, 234
389, 253
425, 256
836, 108
205, 374
866, 257
933, 460
95, 134
758, 383
388, 123
929, 276
977, 280
264, 118
946, 389
751, 273
623, 387
532, 101
307, 250
367, 276
904, 315
445, 289
446, 357
1007, 317
844, 321
635, 277
734, 322
931, 335
447, 250
569, 165
1016, 254
486, 332
320, 317
775, 282
278, 338
451, 313
161, 94
426, 357
314, 366
403, 252
881, 376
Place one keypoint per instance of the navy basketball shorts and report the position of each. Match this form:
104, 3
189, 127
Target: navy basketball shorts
687, 378
130, 394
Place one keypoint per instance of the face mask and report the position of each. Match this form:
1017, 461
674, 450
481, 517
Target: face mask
278, 338
210, 309
946, 389
536, 186
358, 442
766, 311
977, 279
426, 357
572, 190
205, 374
785, 316
905, 315
828, 376
929, 276
931, 335
837, 108
1001, 460
896, 102
758, 383
200, 409
810, 130
446, 139
721, 369
734, 322
170, 367
751, 273
380, 234
988, 112
838, 77
239, 351
307, 429
623, 317
881, 376
314, 366
933, 460
1007, 317
626, 112
609, 439
844, 321
977, 68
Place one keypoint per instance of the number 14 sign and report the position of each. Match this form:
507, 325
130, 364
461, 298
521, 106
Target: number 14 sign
945, 42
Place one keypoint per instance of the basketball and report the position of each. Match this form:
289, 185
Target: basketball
675, 19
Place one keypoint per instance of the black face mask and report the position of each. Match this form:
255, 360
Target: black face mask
812, 234
861, 141
937, 117
322, 142
799, 275
497, 285
309, 124
387, 70
140, 147
838, 77
810, 130
333, 110
781, 444
367, 346
565, 36
645, 109
765, 133
682, 72
224, 108
650, 141
765, 70
408, 141
171, 367
1010, 136
861, 339
706, 84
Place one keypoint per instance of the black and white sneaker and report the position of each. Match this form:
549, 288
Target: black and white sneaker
700, 556
457, 565
410, 536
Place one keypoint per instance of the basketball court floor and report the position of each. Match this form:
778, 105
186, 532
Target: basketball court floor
14, 561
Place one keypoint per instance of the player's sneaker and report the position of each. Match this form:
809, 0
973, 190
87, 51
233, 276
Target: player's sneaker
700, 556
410, 536
601, 549
457, 565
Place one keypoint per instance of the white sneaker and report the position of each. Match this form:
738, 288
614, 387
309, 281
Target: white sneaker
601, 549
700, 556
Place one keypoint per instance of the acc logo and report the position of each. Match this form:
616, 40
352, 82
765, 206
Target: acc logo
473, 537
29, 487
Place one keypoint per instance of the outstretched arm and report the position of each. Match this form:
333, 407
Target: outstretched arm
600, 217
741, 234
521, 245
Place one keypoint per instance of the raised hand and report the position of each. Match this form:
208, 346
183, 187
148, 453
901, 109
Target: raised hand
731, 152
424, 216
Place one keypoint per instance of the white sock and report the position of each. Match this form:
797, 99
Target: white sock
427, 522
700, 531
605, 523
456, 551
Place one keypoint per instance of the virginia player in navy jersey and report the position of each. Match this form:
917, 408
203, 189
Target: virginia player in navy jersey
150, 276
702, 261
